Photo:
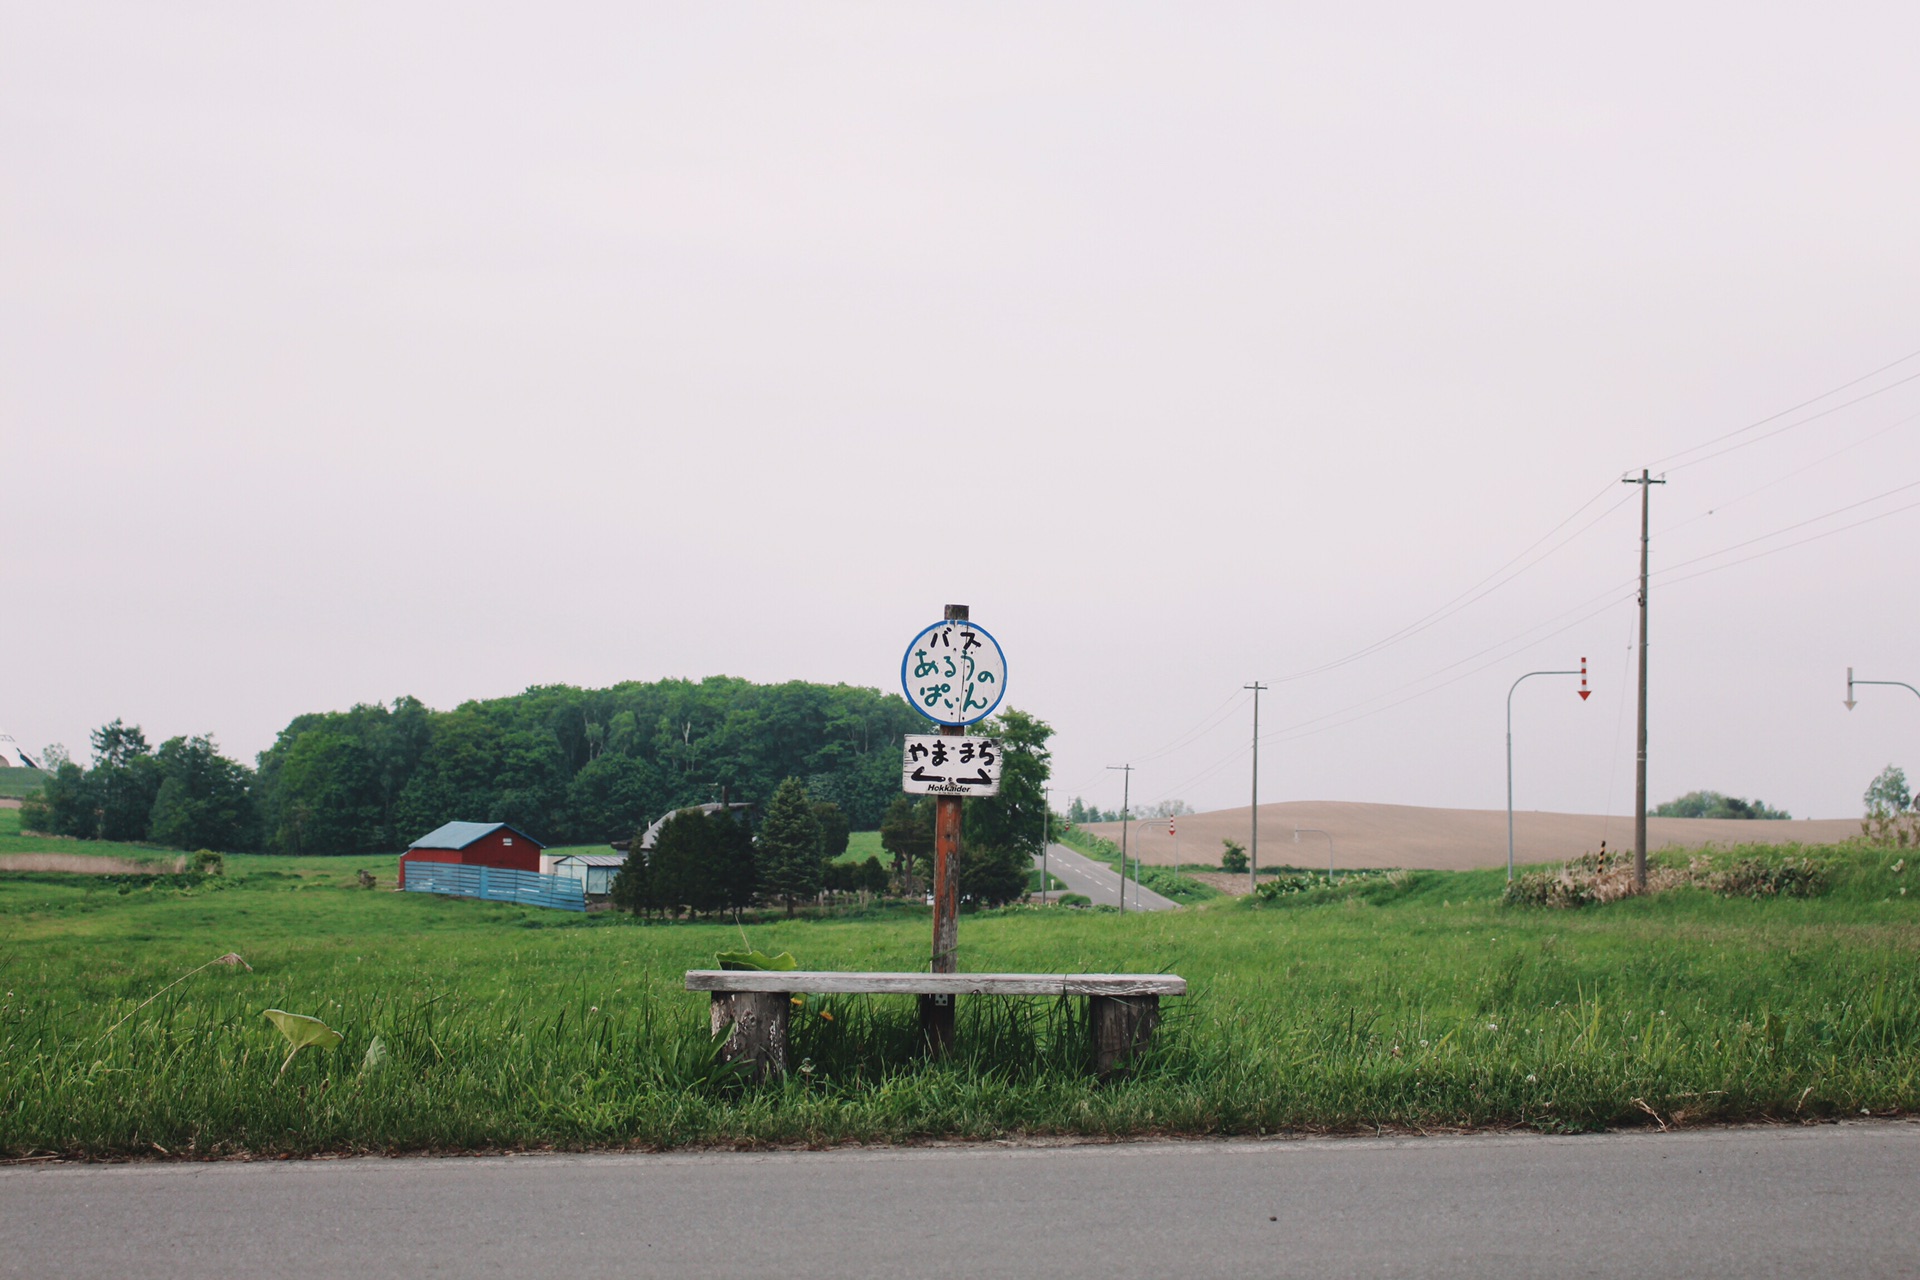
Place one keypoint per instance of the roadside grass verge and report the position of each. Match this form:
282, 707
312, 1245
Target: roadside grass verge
1419, 1002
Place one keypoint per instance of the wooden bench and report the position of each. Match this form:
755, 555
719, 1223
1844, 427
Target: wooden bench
751, 1006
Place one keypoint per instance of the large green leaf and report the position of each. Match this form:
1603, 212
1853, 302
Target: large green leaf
757, 960
302, 1031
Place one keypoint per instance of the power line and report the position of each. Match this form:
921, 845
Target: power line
1469, 596
1812, 417
1754, 426
1797, 471
1798, 542
1797, 525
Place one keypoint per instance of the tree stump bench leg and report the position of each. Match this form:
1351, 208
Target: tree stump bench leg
1122, 1026
936, 1024
755, 1023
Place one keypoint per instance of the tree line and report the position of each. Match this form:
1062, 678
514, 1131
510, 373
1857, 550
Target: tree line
711, 863
566, 765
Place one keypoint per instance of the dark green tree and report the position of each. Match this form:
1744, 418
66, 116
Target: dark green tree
834, 830
1712, 804
1233, 857
685, 862
1003, 833
64, 805
632, 887
993, 875
611, 794
205, 800
739, 870
332, 781
788, 847
906, 832
123, 783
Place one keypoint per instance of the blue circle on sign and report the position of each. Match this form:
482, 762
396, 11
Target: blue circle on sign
967, 712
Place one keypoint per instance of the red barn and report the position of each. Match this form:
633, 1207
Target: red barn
475, 844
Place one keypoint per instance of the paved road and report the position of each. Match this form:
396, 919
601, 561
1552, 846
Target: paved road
1833, 1200
1099, 881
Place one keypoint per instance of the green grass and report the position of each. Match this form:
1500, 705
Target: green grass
1417, 1001
17, 784
862, 845
12, 841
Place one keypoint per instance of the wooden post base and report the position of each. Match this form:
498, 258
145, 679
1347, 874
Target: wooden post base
755, 1023
936, 1024
1122, 1026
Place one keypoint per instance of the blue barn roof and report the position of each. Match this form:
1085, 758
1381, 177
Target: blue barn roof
458, 835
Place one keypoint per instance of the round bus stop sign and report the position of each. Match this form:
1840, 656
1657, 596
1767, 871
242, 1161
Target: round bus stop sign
954, 673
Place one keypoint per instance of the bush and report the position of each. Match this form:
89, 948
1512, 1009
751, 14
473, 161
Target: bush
1074, 900
1233, 857
209, 863
1608, 877
1282, 885
1754, 878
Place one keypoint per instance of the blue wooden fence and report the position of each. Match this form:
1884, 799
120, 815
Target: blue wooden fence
497, 884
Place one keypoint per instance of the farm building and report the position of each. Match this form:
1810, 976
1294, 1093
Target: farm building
12, 757
652, 833
594, 870
475, 844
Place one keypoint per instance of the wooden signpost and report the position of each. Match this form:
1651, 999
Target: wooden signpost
954, 674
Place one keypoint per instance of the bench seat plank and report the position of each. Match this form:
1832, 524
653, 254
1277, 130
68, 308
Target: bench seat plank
828, 982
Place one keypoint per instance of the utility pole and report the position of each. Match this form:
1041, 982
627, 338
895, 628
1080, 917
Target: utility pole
1253, 853
1126, 817
1646, 483
1046, 834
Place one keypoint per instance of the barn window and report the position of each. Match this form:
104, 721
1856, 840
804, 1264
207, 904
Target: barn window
506, 839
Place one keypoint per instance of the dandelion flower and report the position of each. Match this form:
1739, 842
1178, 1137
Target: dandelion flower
826, 1015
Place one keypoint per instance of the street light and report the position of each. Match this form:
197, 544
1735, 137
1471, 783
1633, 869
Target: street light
1852, 682
1582, 673
1315, 831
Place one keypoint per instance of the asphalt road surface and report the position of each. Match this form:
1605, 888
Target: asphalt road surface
1831, 1200
1100, 882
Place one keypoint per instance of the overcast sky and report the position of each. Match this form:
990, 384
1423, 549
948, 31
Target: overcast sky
355, 351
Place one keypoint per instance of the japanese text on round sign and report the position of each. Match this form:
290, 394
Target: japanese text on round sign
954, 673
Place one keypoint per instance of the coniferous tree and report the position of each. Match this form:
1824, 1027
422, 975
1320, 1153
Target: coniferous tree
789, 846
834, 829
685, 864
632, 887
738, 874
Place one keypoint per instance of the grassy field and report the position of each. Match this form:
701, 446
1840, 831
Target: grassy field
16, 784
1417, 1003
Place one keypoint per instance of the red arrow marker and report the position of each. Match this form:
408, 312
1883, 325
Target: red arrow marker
1584, 691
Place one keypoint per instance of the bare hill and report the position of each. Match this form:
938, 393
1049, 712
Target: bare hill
1398, 835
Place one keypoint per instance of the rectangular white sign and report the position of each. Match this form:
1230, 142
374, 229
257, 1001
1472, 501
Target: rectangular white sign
937, 764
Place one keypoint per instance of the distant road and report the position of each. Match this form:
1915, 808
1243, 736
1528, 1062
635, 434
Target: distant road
1827, 1200
1100, 882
